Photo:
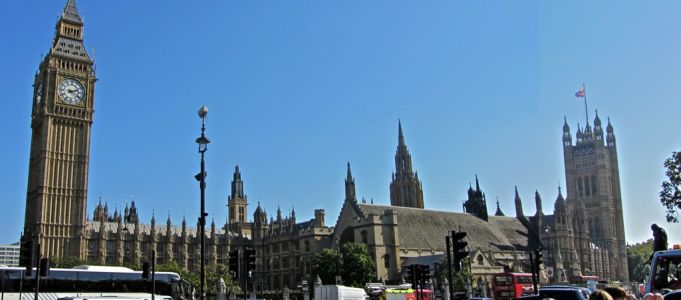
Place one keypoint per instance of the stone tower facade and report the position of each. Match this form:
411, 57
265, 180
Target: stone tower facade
63, 105
237, 203
405, 188
593, 184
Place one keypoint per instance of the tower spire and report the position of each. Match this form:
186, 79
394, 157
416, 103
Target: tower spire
518, 204
350, 194
70, 13
400, 136
499, 213
405, 188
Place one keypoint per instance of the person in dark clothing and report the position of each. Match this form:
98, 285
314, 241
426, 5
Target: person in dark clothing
659, 240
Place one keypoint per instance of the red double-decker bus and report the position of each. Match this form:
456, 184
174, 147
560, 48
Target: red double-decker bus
508, 286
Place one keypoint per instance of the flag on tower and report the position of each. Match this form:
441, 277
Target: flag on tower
580, 93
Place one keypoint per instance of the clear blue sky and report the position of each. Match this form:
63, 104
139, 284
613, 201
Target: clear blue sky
296, 89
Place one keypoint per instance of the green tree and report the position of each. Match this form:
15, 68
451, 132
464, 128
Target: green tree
66, 262
213, 274
357, 266
637, 256
326, 264
458, 278
670, 196
353, 264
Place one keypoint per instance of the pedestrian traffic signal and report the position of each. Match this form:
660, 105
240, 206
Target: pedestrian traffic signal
145, 270
459, 248
250, 259
234, 263
44, 267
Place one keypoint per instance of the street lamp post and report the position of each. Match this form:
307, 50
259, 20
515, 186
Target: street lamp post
201, 177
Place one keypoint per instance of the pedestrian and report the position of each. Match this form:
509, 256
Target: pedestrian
651, 296
600, 295
617, 293
659, 240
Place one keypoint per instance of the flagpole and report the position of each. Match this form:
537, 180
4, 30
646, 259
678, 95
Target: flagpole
586, 110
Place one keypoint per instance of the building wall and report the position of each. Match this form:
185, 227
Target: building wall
9, 255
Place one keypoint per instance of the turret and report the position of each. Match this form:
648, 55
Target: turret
537, 202
319, 217
169, 226
567, 137
405, 187
350, 195
598, 130
476, 203
610, 139
499, 213
518, 204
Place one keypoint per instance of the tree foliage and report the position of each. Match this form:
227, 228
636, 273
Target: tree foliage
326, 265
637, 256
357, 266
459, 279
213, 274
66, 262
353, 263
670, 196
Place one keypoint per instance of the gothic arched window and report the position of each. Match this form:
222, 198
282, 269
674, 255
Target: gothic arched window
480, 259
594, 185
365, 237
580, 187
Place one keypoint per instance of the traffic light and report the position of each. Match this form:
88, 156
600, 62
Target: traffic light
459, 248
145, 270
425, 274
538, 259
417, 275
44, 267
411, 275
26, 255
234, 263
250, 259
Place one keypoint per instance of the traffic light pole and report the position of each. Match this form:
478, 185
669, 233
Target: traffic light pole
153, 273
37, 274
449, 265
534, 280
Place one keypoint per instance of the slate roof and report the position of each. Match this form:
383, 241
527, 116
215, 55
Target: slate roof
426, 229
71, 13
70, 48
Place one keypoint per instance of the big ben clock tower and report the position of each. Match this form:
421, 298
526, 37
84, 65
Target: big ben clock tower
63, 105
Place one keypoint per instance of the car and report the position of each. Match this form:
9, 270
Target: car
561, 292
672, 295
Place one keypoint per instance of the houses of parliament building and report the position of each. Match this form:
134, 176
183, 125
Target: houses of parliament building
584, 235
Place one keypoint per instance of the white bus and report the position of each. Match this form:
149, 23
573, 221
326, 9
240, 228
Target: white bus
91, 282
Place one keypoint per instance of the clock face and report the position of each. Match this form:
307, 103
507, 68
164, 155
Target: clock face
71, 91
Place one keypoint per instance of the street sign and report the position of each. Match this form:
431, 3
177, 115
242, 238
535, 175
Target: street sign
549, 272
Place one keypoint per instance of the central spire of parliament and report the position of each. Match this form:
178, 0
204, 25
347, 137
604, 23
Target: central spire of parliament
405, 188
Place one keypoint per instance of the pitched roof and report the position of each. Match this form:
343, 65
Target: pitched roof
423, 228
71, 13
